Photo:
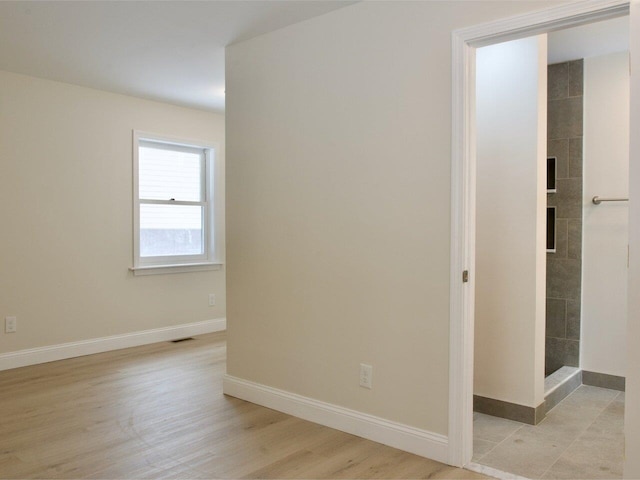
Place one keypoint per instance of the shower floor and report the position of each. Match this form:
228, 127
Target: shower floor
581, 437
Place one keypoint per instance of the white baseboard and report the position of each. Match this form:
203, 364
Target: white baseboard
403, 437
33, 356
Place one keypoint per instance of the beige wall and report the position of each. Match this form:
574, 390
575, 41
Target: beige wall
605, 226
338, 233
511, 116
66, 210
632, 403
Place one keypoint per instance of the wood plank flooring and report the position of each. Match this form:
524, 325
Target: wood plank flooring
158, 412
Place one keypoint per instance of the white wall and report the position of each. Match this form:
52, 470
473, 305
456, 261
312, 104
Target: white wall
66, 210
632, 400
605, 227
511, 113
338, 181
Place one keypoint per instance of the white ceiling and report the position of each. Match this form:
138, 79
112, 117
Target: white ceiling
590, 40
172, 51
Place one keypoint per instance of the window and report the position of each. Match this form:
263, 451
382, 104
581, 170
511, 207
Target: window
174, 205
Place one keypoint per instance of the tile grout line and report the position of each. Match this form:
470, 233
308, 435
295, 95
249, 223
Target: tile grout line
487, 452
579, 434
500, 443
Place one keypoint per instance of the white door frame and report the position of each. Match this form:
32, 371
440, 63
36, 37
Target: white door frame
463, 192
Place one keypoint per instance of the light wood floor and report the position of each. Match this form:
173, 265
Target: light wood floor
158, 412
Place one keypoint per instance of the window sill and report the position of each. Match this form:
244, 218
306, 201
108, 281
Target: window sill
179, 268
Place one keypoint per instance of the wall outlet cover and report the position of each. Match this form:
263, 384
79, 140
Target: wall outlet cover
10, 324
366, 375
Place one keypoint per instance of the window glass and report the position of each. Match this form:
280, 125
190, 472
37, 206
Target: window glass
166, 173
171, 230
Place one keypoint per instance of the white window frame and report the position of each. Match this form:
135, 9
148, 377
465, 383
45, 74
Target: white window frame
211, 203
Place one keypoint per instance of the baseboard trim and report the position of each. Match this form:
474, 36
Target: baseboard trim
603, 380
393, 434
510, 411
52, 353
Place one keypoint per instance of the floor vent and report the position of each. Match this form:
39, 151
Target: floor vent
182, 340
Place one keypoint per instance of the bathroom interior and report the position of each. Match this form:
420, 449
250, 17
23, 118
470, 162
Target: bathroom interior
551, 262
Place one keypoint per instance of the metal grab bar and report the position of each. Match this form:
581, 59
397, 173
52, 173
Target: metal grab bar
597, 200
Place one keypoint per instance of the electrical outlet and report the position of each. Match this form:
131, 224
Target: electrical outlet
10, 324
366, 376
212, 300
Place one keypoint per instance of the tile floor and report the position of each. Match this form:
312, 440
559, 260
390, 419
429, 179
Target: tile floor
581, 437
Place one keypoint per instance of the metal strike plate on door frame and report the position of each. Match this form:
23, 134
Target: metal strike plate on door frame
465, 276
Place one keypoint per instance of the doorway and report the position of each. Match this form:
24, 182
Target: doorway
535, 418
464, 194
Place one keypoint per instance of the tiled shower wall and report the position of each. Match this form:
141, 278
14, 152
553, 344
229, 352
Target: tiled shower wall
564, 267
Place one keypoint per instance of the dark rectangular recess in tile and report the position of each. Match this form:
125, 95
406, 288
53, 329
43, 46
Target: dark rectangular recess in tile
551, 229
551, 173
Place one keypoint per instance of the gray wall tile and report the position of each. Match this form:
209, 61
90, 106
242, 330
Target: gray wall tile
576, 78
564, 278
562, 237
574, 236
575, 157
556, 315
572, 353
554, 354
567, 199
558, 81
560, 352
564, 268
573, 319
564, 118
